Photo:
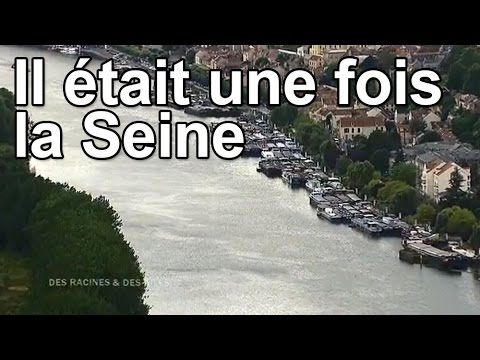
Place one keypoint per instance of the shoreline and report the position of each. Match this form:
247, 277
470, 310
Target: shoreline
278, 170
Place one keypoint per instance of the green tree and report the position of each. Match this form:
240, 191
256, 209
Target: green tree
8, 162
461, 222
430, 136
74, 236
416, 126
472, 82
456, 76
285, 115
426, 214
386, 60
378, 140
405, 200
380, 159
359, 174
261, 62
448, 104
190, 56
373, 187
310, 133
357, 150
399, 197
475, 238
404, 172
342, 164
441, 221
330, 153
454, 191
464, 123
399, 156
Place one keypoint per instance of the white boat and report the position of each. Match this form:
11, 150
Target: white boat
68, 50
266, 154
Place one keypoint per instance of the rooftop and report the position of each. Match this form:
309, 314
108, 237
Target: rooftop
363, 121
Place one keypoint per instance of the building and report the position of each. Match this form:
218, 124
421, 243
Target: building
431, 117
435, 179
349, 127
203, 58
334, 56
315, 62
321, 49
406, 136
303, 50
467, 102
462, 154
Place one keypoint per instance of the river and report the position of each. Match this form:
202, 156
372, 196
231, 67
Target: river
216, 237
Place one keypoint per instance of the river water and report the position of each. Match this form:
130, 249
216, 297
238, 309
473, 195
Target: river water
216, 237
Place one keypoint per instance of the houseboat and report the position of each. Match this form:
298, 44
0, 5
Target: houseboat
330, 215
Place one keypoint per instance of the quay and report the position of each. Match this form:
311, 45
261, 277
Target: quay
281, 156
417, 252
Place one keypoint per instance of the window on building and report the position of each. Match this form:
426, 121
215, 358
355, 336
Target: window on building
358, 130
353, 130
346, 130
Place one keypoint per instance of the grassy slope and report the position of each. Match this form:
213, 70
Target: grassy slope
14, 283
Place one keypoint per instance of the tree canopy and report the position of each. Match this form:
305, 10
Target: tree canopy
359, 174
65, 234
456, 221
404, 172
399, 197
462, 67
284, 115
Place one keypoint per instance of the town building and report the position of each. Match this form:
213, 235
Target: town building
467, 102
321, 49
349, 127
435, 178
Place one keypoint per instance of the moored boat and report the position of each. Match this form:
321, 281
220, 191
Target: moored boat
330, 215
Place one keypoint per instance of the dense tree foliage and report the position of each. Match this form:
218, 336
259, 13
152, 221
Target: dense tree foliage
7, 117
373, 187
404, 172
199, 75
430, 136
399, 197
380, 160
359, 174
466, 126
284, 115
65, 234
96, 250
416, 126
426, 214
311, 134
454, 191
462, 67
358, 150
456, 221
330, 153
342, 164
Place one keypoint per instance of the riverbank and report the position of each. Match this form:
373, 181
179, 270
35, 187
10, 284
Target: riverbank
204, 229
297, 170
283, 157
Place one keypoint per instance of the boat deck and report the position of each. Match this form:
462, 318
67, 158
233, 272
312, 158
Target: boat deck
430, 250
